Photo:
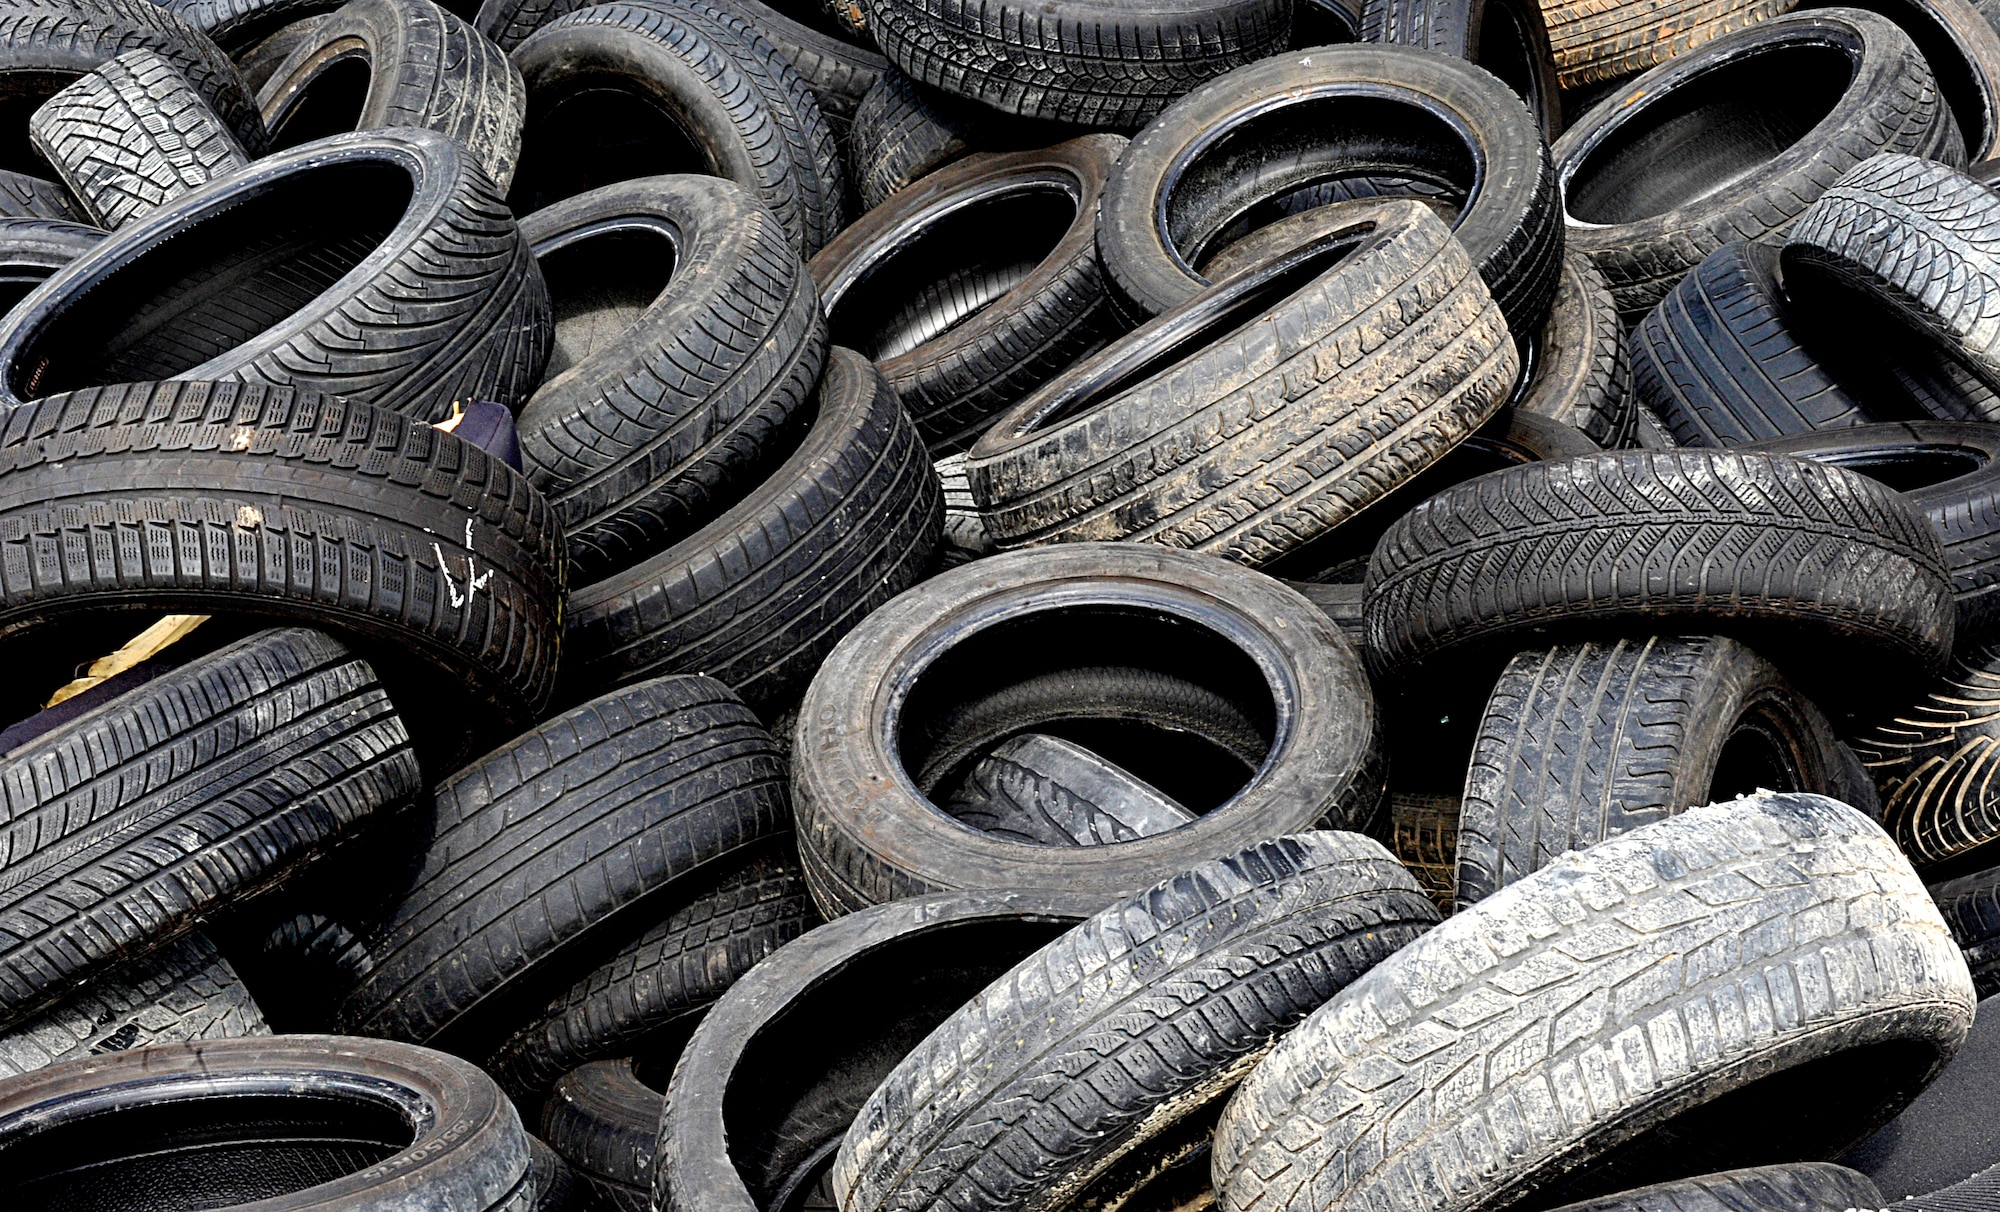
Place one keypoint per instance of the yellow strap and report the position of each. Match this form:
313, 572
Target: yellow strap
141, 647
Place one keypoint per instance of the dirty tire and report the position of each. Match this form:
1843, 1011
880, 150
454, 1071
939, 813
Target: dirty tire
1326, 772
966, 307
605, 1123
1854, 974
757, 597
904, 132
544, 850
1588, 740
183, 991
262, 754
132, 136
661, 980
336, 515
321, 1135
1212, 158
426, 69
1373, 350
659, 401
1509, 38
1963, 50
1971, 907
1797, 1187
1281, 927
1934, 761
1579, 373
1597, 42
1643, 540
238, 25
226, 284
1647, 202
1042, 789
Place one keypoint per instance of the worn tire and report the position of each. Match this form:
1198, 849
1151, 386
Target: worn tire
1798, 1187
787, 1032
298, 1123
605, 1122
1649, 190
759, 595
1577, 372
904, 131
1588, 740
1509, 38
1362, 122
1321, 768
1594, 43
1042, 789
716, 96
262, 753
663, 392
1934, 761
549, 852
1850, 998
1971, 907
1645, 541
426, 69
32, 250
132, 136
977, 285
185, 990
281, 274
1372, 350
1180, 987
1963, 51
26, 197
661, 981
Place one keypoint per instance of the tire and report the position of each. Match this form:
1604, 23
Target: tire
1798, 1187
1549, 549
550, 851
259, 61
1649, 190
238, 25
1853, 1015
759, 595
339, 1118
183, 991
604, 1121
1508, 39
1578, 372
32, 250
675, 86
1142, 442
1933, 763
1038, 63
305, 964
1238, 637
332, 515
688, 336
904, 132
279, 275
555, 1185
1046, 791
425, 69
1951, 473
661, 981
964, 534
1281, 927
1424, 838
1971, 907
1364, 122
1585, 741
1971, 1195
1963, 51
49, 43
1594, 43
26, 197
132, 136
977, 285
263, 752
1923, 1149
1910, 242
787, 1031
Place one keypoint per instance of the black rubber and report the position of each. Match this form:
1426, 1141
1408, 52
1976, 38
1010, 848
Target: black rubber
300, 967
132, 136
238, 25
1949, 1132
26, 197
618, 90
1178, 989
1799, 1187
904, 131
661, 981
1588, 740
1800, 559
399, 63
183, 991
1734, 139
770, 1080
1971, 907
33, 249
977, 285
605, 1121
1043, 789
555, 1185
335, 515
687, 336
1963, 51
1850, 1017
282, 274
259, 755
549, 852
760, 594
308, 1123
895, 710
1934, 763
1576, 370
1324, 125
1506, 37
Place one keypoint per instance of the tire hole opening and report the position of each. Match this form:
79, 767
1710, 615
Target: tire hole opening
21, 94
953, 267
600, 282
598, 128
1682, 145
329, 104
1507, 50
1760, 752
218, 282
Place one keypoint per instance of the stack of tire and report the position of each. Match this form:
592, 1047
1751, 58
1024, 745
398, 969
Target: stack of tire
671, 605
